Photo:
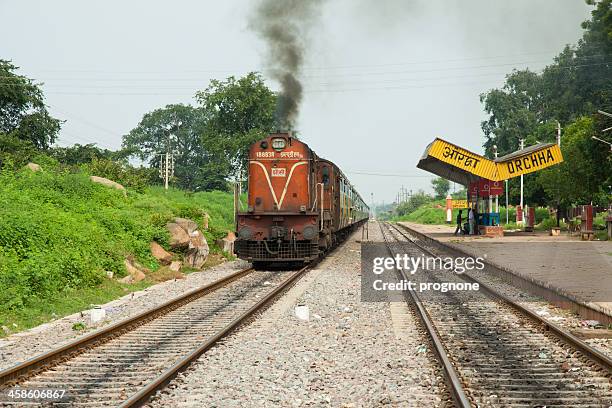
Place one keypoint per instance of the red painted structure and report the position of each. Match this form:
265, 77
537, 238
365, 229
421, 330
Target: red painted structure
586, 219
299, 204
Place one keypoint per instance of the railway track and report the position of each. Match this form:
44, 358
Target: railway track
127, 362
494, 352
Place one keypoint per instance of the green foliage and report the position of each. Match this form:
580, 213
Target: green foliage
434, 212
441, 187
584, 175
81, 154
238, 112
135, 178
179, 129
211, 141
415, 201
460, 195
427, 214
15, 152
568, 91
79, 326
22, 110
59, 232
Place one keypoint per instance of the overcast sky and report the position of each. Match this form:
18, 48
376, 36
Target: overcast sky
382, 78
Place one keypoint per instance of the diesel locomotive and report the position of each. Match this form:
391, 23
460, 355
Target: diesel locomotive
299, 205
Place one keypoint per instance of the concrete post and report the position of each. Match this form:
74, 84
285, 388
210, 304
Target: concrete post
449, 209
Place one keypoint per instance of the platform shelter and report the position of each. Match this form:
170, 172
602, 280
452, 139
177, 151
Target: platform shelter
482, 177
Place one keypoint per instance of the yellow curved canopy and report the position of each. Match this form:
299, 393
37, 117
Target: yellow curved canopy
462, 166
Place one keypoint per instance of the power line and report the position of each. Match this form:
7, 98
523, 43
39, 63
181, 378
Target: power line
388, 174
319, 68
164, 79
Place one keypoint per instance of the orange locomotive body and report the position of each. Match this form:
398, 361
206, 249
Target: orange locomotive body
299, 204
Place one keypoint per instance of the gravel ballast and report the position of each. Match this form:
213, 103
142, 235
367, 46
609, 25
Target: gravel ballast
348, 354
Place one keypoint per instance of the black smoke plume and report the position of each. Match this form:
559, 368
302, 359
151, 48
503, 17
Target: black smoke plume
283, 25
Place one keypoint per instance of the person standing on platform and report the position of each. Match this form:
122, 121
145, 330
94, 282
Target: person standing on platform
459, 228
476, 221
471, 220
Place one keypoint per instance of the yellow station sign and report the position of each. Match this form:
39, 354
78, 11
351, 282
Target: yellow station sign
463, 159
530, 162
504, 169
459, 204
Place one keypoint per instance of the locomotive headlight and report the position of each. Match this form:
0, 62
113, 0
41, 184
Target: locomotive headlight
309, 232
278, 144
245, 233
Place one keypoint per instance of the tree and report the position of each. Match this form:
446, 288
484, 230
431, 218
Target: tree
238, 112
178, 129
514, 112
584, 175
22, 110
441, 187
80, 154
15, 151
569, 90
415, 201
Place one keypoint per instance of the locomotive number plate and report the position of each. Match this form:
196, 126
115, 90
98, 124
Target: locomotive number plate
279, 172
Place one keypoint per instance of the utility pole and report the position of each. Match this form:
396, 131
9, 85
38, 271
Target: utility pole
372, 200
522, 147
166, 162
559, 133
496, 196
166, 167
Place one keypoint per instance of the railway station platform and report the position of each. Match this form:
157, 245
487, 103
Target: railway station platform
580, 270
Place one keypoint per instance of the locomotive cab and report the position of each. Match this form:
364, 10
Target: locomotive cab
281, 221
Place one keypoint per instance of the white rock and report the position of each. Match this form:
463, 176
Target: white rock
302, 312
96, 315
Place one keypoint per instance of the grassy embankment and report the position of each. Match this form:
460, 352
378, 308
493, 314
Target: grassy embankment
60, 233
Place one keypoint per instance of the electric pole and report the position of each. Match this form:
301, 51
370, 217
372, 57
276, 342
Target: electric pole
166, 167
522, 147
372, 200
166, 162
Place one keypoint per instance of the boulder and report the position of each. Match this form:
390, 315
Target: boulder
135, 270
33, 166
226, 244
175, 266
126, 279
197, 251
186, 224
179, 238
164, 257
106, 182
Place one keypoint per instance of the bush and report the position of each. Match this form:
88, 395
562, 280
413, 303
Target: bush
60, 232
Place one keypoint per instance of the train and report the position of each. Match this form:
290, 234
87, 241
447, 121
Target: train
299, 205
